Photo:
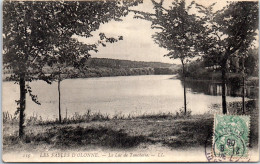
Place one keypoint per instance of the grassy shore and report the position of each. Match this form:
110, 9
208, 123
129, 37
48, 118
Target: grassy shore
174, 131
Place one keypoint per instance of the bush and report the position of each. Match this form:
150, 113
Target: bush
181, 114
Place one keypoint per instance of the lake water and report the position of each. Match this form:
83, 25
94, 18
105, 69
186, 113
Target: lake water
133, 95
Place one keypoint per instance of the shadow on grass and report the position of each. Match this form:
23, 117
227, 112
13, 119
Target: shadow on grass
191, 134
76, 137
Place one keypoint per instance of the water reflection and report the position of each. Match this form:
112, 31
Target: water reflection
215, 88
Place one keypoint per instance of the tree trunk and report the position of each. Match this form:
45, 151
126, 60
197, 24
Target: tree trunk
243, 97
184, 91
243, 89
22, 105
59, 101
224, 78
184, 87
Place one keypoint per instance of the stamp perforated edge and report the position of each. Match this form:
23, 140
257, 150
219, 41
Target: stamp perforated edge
213, 138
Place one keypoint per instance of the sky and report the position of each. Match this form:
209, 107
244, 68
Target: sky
137, 43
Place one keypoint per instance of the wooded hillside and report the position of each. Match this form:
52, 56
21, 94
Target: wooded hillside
103, 67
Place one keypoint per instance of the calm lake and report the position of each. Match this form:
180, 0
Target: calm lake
133, 95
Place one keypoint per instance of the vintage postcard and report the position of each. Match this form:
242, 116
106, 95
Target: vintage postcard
130, 81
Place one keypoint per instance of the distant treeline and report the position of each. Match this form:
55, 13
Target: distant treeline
105, 72
103, 67
100, 67
116, 63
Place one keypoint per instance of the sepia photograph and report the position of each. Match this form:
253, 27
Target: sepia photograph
130, 81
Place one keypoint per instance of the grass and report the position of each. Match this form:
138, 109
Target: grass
72, 137
9, 118
90, 117
122, 132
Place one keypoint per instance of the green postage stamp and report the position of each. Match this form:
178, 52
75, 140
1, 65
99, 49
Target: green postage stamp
230, 139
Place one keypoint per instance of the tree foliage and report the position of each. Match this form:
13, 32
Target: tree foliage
230, 31
178, 29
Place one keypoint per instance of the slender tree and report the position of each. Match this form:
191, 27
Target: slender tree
229, 32
246, 56
35, 31
64, 60
178, 32
244, 86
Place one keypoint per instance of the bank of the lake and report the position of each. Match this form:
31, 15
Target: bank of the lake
173, 131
